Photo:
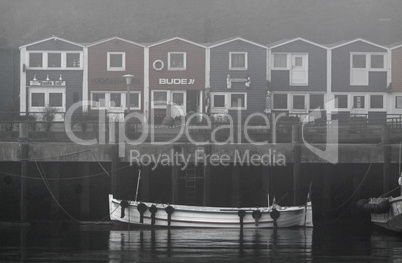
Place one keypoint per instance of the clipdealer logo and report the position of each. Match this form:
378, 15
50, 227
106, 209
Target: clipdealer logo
236, 131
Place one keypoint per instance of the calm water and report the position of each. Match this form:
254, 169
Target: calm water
70, 243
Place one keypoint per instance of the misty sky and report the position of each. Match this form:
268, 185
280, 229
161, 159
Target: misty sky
146, 21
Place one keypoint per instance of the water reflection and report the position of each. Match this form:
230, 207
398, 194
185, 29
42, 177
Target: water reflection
197, 244
73, 243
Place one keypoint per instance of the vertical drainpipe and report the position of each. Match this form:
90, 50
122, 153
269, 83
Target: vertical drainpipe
389, 97
146, 99
85, 80
328, 96
23, 86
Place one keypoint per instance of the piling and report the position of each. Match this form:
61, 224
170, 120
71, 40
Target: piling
296, 163
385, 139
207, 177
24, 151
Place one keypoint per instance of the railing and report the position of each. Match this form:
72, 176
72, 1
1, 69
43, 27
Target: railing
357, 129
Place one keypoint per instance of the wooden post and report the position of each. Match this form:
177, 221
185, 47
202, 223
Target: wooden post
175, 178
55, 186
85, 194
207, 177
235, 186
387, 158
145, 182
115, 172
24, 151
296, 163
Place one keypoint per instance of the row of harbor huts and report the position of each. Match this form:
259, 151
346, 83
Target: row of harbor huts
235, 75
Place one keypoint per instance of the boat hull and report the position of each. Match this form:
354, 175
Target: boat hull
203, 217
392, 219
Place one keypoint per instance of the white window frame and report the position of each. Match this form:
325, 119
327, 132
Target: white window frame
396, 104
309, 101
123, 62
383, 102
159, 106
47, 91
245, 60
288, 62
229, 101
184, 67
347, 102
139, 100
63, 60
306, 103
287, 101
368, 67
108, 101
213, 101
353, 101
94, 104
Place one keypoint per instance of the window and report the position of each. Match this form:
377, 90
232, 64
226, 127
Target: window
218, 101
358, 61
398, 102
115, 100
280, 101
73, 60
55, 99
35, 60
280, 61
116, 61
376, 102
178, 98
237, 101
54, 60
51, 60
316, 101
177, 60
377, 61
135, 102
238, 60
299, 102
159, 99
341, 101
38, 100
358, 102
99, 99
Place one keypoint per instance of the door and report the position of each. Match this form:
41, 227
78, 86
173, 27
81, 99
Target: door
178, 99
299, 71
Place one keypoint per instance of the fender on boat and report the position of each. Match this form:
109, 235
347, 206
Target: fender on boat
124, 205
142, 208
256, 215
169, 210
153, 211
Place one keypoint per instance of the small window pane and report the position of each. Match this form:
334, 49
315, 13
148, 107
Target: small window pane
54, 60
280, 101
55, 99
299, 102
160, 97
341, 101
280, 61
176, 60
299, 62
237, 100
398, 102
377, 61
219, 101
316, 101
99, 98
135, 100
358, 102
178, 99
73, 60
376, 101
238, 60
116, 60
35, 60
115, 100
38, 100
359, 61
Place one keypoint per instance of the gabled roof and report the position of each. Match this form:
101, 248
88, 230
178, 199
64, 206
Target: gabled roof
175, 38
52, 38
287, 41
113, 38
395, 45
225, 41
344, 43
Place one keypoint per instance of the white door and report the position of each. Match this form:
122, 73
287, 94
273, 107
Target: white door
299, 71
178, 99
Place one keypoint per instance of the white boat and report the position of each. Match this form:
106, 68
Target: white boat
156, 214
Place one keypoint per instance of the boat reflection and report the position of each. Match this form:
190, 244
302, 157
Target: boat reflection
223, 244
